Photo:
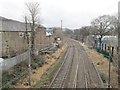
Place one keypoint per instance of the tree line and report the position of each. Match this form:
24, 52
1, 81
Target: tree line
100, 26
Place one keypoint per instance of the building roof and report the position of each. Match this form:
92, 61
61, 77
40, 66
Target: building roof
12, 25
110, 40
49, 31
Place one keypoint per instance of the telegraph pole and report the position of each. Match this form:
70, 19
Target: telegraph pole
119, 44
61, 24
109, 69
29, 59
26, 32
1, 56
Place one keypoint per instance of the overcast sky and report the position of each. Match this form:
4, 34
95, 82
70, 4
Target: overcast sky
74, 13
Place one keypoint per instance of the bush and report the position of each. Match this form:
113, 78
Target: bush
34, 65
37, 63
104, 53
40, 64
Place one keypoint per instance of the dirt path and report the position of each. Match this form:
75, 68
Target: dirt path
37, 73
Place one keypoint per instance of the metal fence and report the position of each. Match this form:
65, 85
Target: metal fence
9, 63
42, 46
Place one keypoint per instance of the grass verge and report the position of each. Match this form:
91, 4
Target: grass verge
49, 74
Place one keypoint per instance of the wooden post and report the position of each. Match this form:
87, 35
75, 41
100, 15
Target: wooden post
105, 47
1, 55
61, 24
119, 44
112, 51
109, 69
29, 66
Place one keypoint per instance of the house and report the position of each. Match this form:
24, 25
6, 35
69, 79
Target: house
13, 37
49, 32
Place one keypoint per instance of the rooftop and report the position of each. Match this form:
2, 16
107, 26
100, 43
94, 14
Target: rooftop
12, 25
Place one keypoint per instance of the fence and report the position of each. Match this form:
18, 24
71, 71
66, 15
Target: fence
9, 63
42, 46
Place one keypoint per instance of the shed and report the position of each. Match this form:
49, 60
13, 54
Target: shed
110, 40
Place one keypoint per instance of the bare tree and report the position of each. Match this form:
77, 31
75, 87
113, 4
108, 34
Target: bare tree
114, 23
68, 33
104, 25
33, 8
77, 34
82, 33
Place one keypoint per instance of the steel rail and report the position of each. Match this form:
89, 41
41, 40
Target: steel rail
76, 74
59, 70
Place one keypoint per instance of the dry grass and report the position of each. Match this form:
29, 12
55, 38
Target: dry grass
37, 73
102, 65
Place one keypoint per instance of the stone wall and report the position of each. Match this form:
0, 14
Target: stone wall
13, 43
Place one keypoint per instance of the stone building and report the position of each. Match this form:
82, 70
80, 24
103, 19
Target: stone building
13, 37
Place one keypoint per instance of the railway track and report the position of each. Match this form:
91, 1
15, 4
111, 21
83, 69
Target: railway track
61, 75
77, 71
92, 77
